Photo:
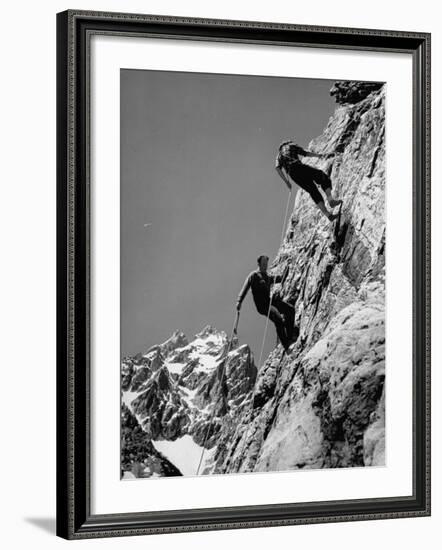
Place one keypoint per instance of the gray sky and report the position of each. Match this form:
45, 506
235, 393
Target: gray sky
200, 198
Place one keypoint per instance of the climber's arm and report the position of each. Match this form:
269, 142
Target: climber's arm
306, 153
243, 292
283, 176
279, 278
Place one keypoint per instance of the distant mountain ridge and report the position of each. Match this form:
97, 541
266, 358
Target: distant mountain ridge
178, 389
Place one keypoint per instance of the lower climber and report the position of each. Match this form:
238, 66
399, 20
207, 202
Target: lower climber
289, 165
281, 313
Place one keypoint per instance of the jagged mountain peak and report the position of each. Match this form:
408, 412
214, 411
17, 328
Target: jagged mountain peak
178, 339
208, 331
180, 391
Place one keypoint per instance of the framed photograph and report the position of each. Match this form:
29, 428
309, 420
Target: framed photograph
243, 274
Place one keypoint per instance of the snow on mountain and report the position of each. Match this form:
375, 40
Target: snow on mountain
139, 457
184, 453
178, 394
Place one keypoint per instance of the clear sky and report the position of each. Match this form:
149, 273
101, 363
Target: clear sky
200, 197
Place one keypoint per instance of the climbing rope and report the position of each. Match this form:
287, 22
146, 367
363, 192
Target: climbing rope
267, 321
235, 326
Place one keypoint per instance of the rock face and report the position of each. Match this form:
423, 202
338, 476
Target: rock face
348, 91
323, 406
182, 388
138, 455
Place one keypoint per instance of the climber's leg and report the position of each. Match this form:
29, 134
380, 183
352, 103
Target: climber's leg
325, 182
324, 210
289, 317
278, 321
331, 200
304, 175
319, 201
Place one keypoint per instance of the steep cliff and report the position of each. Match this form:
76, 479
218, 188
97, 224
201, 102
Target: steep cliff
323, 406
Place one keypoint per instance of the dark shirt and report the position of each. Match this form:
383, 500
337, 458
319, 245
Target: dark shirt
288, 155
260, 284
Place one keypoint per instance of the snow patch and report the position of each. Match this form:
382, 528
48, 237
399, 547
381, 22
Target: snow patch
207, 363
176, 368
128, 397
184, 453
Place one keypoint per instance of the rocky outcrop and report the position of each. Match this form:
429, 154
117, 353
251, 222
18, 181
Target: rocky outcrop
138, 455
348, 91
323, 406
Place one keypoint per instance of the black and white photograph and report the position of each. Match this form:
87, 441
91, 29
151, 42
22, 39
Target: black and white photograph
252, 266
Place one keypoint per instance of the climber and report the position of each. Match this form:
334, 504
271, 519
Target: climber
307, 177
281, 313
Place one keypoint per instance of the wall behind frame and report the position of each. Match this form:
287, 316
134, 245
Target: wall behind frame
27, 224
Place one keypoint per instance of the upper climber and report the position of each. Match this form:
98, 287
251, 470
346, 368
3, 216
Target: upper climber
288, 164
279, 312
